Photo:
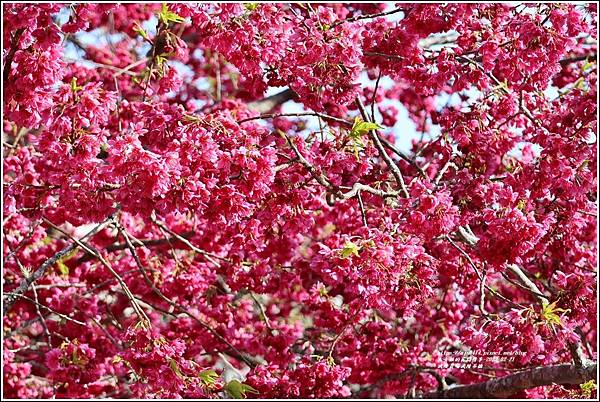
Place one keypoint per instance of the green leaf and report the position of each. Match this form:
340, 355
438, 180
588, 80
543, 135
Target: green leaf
588, 64
63, 268
208, 377
360, 127
250, 6
166, 16
588, 387
349, 250
237, 390
579, 84
549, 314
74, 87
141, 31
161, 60
175, 368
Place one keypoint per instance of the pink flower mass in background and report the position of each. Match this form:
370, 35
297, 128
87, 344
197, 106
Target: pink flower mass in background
299, 200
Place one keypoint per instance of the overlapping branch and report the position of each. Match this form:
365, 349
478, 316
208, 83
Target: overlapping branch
38, 273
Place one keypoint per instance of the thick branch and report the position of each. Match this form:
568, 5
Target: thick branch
11, 53
527, 282
367, 16
506, 386
574, 59
269, 103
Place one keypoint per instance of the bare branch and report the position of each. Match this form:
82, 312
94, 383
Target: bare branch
319, 177
26, 282
527, 282
367, 16
271, 102
209, 256
138, 310
574, 59
39, 305
300, 114
375, 138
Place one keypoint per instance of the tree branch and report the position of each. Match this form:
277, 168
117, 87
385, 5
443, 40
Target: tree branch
506, 386
269, 103
91, 250
299, 114
141, 243
574, 59
27, 281
368, 16
377, 142
11, 53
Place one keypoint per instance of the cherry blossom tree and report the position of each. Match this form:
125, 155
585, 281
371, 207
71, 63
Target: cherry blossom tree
299, 200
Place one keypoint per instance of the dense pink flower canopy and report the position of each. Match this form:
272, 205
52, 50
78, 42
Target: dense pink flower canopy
299, 200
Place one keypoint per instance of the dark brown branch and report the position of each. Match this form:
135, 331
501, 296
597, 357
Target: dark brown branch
11, 53
402, 155
363, 213
39, 305
574, 59
319, 177
271, 102
144, 242
209, 256
367, 16
299, 114
384, 55
506, 386
150, 242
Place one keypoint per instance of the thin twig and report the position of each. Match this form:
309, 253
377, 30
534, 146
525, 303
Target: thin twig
61, 315
368, 16
209, 256
26, 282
319, 177
299, 114
375, 138
138, 310
263, 314
173, 303
375, 96
363, 214
41, 317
